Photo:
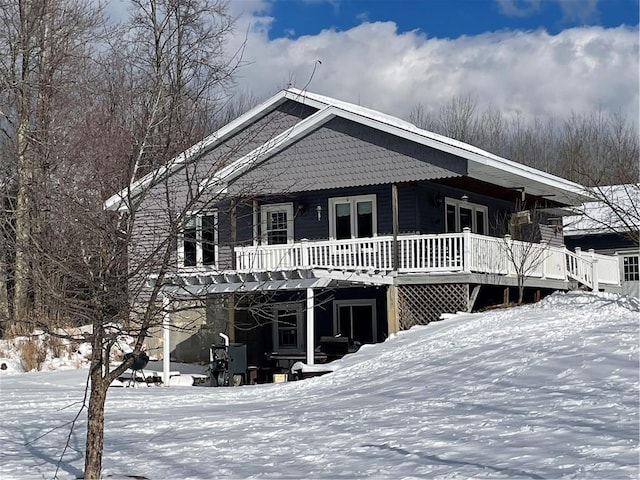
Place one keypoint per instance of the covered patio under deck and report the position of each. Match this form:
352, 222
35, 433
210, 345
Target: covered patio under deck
413, 269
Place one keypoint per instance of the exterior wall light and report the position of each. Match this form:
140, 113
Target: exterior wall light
319, 212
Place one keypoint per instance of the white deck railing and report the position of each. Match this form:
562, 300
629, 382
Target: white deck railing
452, 252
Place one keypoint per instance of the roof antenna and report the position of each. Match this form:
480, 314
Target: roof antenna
315, 65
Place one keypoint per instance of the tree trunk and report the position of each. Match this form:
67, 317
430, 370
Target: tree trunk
97, 398
520, 289
4, 296
23, 211
95, 430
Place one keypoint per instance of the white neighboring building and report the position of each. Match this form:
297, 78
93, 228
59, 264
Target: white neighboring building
611, 226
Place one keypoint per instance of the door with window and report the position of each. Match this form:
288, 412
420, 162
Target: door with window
288, 328
352, 217
356, 319
460, 214
277, 223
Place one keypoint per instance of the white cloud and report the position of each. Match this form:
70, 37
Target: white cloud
572, 10
518, 8
579, 10
533, 73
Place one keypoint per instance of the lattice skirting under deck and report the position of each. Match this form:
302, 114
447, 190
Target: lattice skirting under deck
421, 304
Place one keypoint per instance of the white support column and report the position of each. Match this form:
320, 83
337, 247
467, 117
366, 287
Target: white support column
166, 341
594, 270
310, 327
466, 249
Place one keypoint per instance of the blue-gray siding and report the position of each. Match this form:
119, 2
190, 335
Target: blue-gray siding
343, 154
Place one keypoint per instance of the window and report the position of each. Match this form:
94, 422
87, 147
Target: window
277, 223
198, 244
356, 319
352, 217
460, 214
630, 268
288, 330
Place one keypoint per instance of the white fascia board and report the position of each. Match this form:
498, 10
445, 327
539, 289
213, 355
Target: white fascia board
119, 200
308, 98
265, 151
596, 231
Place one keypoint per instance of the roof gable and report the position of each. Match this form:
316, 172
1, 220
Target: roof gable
119, 201
342, 153
481, 165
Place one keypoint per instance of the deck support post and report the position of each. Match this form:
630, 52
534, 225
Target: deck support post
393, 322
594, 270
310, 327
466, 249
231, 318
396, 227
234, 232
166, 339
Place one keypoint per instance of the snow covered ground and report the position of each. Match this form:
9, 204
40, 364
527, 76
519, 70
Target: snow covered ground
542, 391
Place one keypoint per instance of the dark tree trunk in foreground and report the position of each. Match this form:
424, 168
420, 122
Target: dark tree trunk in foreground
95, 427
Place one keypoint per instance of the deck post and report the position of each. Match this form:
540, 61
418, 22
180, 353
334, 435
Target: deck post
594, 270
304, 250
466, 249
310, 327
393, 322
234, 233
395, 226
166, 339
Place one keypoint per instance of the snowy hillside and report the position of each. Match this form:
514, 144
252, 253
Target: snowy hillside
543, 391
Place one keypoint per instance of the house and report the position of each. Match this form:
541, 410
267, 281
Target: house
610, 226
310, 217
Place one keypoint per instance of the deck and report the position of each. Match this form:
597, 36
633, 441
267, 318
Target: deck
435, 254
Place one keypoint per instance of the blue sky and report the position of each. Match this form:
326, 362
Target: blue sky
527, 58
448, 18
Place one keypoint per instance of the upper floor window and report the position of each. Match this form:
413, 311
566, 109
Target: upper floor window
198, 244
630, 268
461, 214
277, 223
352, 217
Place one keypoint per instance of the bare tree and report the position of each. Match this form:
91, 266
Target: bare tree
598, 148
615, 209
165, 79
78, 126
43, 45
525, 248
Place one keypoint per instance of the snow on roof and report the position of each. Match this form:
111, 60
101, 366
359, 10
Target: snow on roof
616, 211
119, 200
483, 165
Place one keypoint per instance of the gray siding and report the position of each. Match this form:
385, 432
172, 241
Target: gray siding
344, 154
419, 211
170, 196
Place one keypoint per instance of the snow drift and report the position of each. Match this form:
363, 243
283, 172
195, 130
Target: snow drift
542, 391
